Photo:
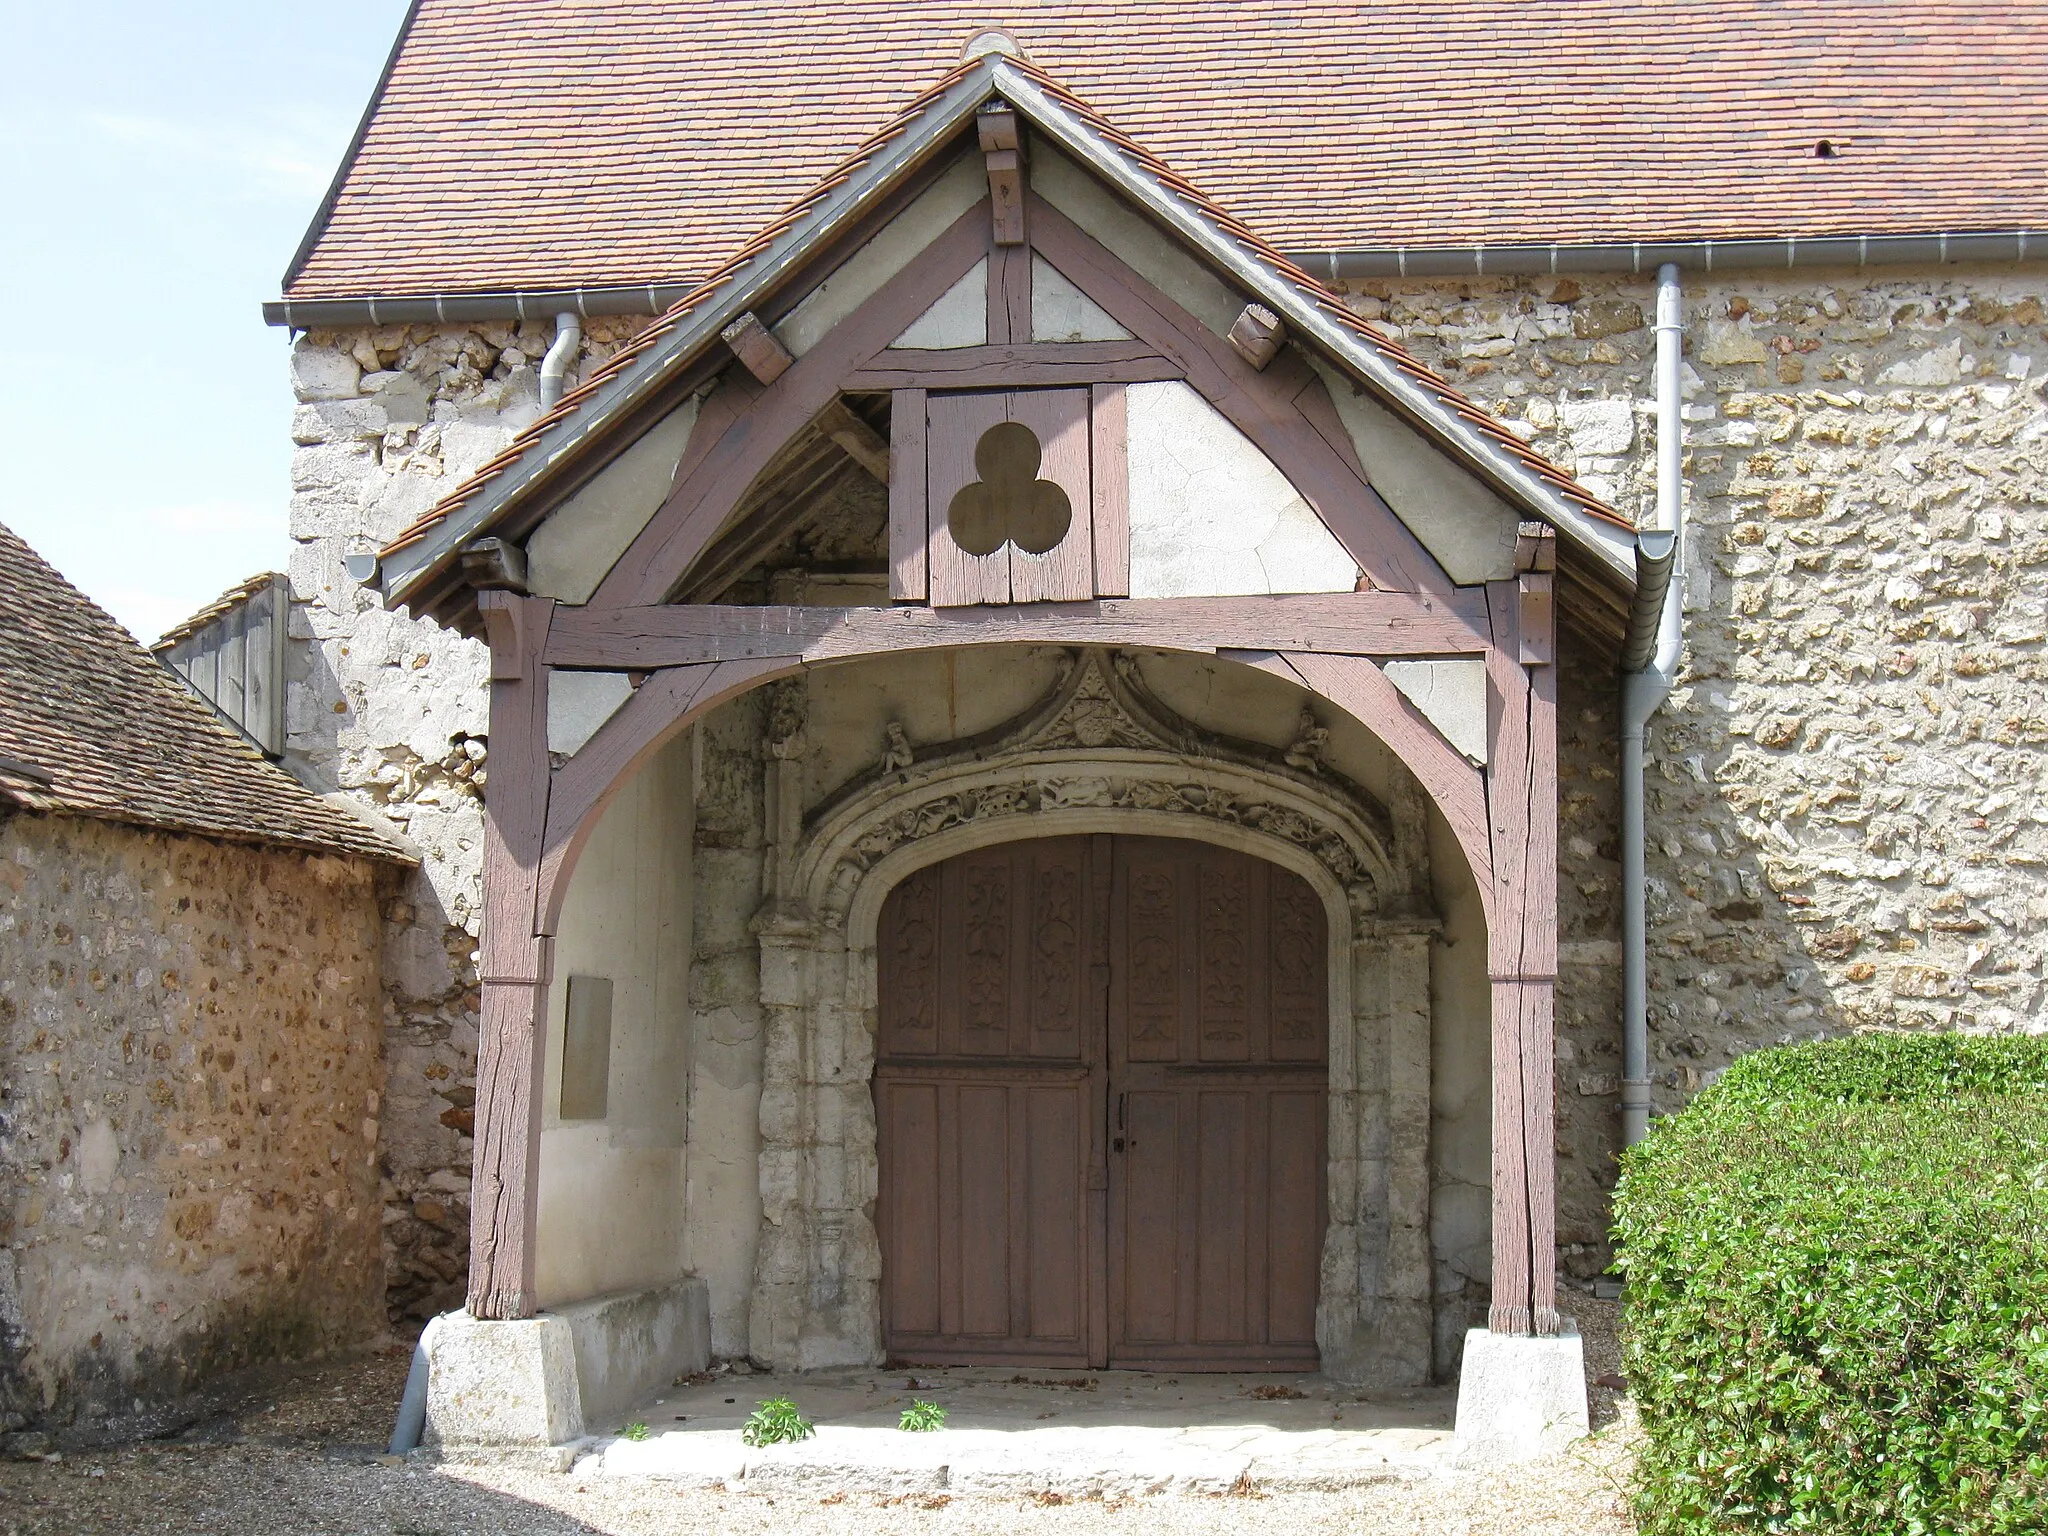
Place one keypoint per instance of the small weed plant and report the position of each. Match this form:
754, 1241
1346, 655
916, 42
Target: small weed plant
921, 1417
776, 1422
635, 1431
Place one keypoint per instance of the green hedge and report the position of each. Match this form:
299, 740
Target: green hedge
1837, 1304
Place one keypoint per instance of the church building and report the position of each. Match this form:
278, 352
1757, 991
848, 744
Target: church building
1065, 717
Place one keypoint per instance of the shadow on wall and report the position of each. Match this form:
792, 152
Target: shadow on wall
405, 737
1844, 810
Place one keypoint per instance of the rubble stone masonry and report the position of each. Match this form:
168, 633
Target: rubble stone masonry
1845, 808
190, 1101
394, 711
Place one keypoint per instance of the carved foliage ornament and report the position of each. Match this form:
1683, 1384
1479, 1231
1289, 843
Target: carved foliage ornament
1097, 707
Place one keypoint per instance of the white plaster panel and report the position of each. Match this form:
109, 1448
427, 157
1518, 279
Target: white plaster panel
858, 278
582, 539
580, 702
1213, 516
1469, 529
1159, 258
958, 319
1062, 312
1451, 695
612, 1191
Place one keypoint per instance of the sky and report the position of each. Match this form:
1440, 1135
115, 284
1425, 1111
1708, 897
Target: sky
158, 166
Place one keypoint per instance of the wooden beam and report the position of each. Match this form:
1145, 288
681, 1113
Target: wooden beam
1003, 149
1352, 623
1257, 333
515, 965
757, 348
1522, 961
1015, 365
908, 579
1358, 687
581, 788
863, 444
661, 555
1255, 404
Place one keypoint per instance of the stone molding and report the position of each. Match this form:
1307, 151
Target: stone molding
1097, 754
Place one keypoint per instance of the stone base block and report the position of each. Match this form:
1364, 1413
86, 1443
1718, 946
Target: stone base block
493, 1388
1520, 1397
632, 1344
493, 1385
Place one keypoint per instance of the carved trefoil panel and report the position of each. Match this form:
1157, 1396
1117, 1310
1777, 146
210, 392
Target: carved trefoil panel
1013, 508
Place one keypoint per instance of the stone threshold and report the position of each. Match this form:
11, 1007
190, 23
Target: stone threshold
1021, 1432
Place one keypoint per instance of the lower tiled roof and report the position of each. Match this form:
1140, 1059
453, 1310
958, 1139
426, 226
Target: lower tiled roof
90, 725
518, 145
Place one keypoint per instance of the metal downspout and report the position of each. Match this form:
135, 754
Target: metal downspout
554, 367
1646, 681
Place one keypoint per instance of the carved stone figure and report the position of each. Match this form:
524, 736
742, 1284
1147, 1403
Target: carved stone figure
1310, 741
896, 753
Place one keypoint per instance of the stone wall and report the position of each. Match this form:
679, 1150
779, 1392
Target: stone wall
1845, 810
393, 710
1844, 821
190, 1105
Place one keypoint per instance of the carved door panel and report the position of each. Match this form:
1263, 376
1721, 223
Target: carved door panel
988, 1099
1217, 1031
1099, 1094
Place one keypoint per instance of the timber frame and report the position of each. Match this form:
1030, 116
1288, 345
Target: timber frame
684, 658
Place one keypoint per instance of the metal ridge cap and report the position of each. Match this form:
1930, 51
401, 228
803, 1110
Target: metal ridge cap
1337, 264
929, 129
1307, 318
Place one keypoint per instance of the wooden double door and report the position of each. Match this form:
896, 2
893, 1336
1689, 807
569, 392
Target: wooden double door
1100, 1094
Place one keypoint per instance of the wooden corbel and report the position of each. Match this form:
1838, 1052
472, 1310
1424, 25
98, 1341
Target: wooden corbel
494, 565
504, 615
1003, 149
756, 348
1536, 581
1257, 334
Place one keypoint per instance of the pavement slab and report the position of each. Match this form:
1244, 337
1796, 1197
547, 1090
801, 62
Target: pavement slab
1011, 1433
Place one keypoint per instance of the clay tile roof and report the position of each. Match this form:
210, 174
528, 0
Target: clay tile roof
516, 145
606, 383
90, 725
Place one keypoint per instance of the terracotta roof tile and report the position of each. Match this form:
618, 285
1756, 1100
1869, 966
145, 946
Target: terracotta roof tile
1445, 396
91, 725
590, 143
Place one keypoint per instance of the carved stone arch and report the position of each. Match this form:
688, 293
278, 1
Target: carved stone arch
1099, 741
1096, 755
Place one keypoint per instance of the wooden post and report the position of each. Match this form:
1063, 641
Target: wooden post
1521, 793
517, 964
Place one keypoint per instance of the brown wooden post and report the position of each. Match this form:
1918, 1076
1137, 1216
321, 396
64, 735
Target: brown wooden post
517, 964
1521, 792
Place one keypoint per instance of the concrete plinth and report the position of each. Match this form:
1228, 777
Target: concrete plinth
494, 1387
1520, 1397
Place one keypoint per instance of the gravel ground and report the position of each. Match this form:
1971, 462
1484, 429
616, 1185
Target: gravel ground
297, 1453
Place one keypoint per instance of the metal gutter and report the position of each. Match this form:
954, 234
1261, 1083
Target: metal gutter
458, 308
1332, 266
1337, 266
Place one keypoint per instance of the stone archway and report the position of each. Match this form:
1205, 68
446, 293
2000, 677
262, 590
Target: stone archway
1097, 755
